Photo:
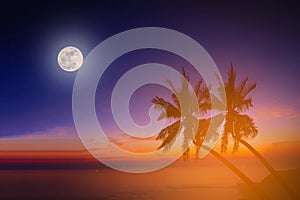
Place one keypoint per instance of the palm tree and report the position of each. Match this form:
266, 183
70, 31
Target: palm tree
183, 114
240, 126
181, 125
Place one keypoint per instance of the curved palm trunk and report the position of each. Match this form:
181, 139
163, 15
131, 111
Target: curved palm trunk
271, 170
240, 174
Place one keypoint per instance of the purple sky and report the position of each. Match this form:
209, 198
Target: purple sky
260, 39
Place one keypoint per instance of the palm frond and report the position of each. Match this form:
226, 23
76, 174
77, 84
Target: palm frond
242, 104
242, 86
246, 126
231, 77
170, 109
249, 89
201, 132
197, 87
185, 74
236, 146
216, 102
220, 88
186, 154
168, 135
225, 135
188, 137
162, 115
175, 100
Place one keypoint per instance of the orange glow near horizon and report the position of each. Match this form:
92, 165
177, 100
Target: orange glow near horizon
73, 149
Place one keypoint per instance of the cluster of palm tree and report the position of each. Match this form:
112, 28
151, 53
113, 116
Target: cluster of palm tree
238, 126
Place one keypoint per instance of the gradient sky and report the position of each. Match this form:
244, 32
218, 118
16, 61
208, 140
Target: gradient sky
260, 39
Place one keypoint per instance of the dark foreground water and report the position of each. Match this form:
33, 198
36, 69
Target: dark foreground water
109, 184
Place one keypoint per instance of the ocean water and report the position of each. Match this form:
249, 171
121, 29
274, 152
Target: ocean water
182, 181
204, 179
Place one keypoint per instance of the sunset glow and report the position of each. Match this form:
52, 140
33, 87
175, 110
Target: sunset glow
156, 100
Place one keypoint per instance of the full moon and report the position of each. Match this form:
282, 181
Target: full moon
70, 59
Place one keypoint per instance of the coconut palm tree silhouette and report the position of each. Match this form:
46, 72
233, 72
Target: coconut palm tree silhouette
240, 126
186, 120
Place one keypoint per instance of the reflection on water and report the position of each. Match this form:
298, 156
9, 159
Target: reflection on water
202, 179
194, 179
109, 184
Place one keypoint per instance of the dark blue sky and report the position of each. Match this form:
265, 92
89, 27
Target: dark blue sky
261, 39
